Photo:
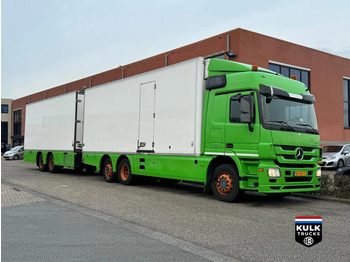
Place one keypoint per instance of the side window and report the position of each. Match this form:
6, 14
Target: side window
235, 111
235, 108
347, 148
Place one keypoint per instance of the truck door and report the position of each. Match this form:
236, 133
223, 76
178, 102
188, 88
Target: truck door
241, 139
147, 117
79, 121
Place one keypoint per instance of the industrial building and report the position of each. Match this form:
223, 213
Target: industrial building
326, 75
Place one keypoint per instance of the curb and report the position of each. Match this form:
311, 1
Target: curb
333, 199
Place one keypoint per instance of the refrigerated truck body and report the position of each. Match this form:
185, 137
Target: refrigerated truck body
231, 126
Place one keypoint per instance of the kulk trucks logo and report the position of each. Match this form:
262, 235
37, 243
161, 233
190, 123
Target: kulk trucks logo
308, 230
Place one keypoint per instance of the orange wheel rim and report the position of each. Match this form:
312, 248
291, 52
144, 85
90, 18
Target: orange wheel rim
124, 172
51, 163
224, 183
108, 170
41, 161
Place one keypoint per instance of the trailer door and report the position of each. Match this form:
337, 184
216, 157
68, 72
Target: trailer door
79, 121
147, 117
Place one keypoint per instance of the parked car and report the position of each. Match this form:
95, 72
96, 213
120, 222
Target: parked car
335, 156
4, 148
14, 153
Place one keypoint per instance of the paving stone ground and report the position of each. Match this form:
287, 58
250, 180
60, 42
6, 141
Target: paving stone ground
11, 196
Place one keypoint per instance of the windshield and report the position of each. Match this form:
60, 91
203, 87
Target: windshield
16, 148
284, 113
331, 149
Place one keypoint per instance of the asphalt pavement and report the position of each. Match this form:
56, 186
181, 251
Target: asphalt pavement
35, 229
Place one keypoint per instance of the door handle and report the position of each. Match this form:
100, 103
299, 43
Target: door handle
229, 145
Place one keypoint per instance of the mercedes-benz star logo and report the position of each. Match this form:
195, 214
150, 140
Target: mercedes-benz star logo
299, 154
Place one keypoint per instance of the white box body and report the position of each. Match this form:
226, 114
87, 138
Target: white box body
156, 112
50, 124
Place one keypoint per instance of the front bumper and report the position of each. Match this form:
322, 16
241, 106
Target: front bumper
8, 157
288, 181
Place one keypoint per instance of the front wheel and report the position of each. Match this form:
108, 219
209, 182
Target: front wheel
225, 184
125, 176
15, 157
340, 163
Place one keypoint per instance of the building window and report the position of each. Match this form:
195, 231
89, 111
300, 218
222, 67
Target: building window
4, 132
346, 86
303, 75
4, 108
17, 122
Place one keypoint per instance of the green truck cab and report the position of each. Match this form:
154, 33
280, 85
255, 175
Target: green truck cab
262, 126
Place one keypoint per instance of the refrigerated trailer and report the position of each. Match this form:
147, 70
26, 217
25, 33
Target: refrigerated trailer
231, 126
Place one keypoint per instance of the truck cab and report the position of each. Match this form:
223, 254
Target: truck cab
263, 125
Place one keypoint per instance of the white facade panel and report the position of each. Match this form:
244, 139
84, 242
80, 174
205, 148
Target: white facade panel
50, 124
113, 111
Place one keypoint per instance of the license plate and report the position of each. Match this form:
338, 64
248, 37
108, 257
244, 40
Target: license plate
320, 163
300, 173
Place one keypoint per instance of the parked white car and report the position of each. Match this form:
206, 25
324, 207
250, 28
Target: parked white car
14, 153
335, 156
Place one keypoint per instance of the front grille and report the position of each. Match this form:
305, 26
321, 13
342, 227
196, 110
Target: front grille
286, 156
292, 148
287, 165
292, 157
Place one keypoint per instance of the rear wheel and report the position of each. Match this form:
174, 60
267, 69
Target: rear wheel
125, 176
51, 164
41, 165
107, 171
225, 184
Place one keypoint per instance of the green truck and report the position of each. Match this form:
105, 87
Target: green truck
230, 126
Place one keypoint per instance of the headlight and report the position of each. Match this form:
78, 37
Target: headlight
273, 172
332, 157
318, 173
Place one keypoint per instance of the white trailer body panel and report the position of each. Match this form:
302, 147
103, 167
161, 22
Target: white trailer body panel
50, 124
127, 115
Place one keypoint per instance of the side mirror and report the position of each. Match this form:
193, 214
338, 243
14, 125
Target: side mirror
346, 152
247, 110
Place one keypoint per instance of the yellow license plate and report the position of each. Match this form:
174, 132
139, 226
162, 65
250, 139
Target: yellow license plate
320, 162
300, 173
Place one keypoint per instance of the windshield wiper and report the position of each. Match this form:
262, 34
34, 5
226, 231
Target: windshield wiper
282, 122
308, 125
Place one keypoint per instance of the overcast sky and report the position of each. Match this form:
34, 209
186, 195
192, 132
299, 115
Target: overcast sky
46, 43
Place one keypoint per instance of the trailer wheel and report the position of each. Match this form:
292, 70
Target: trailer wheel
108, 171
125, 176
41, 165
51, 164
225, 184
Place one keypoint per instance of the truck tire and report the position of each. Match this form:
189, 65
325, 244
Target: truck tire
107, 171
125, 176
51, 164
225, 184
41, 165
